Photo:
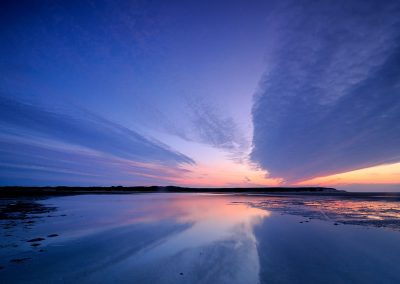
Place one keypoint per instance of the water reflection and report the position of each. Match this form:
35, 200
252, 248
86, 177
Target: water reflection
162, 238
218, 244
214, 218
197, 238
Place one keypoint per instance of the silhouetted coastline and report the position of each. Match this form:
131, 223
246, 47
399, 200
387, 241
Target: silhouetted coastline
66, 190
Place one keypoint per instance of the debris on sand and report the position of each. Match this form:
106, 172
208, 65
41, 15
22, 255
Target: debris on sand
21, 210
36, 240
20, 260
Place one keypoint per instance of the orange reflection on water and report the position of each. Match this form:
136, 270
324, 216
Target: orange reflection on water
218, 208
379, 212
206, 212
359, 209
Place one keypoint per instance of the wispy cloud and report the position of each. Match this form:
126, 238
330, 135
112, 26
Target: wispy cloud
212, 126
43, 145
330, 99
205, 122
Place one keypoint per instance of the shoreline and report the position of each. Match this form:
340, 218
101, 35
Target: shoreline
22, 191
56, 190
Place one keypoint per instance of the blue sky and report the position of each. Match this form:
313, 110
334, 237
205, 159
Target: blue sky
197, 92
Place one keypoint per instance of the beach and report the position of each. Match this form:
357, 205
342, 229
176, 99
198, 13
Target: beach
199, 238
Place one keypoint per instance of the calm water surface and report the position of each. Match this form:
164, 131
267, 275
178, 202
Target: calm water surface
197, 238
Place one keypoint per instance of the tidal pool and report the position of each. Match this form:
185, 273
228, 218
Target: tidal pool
199, 238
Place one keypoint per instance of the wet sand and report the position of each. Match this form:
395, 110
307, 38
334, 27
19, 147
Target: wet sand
199, 238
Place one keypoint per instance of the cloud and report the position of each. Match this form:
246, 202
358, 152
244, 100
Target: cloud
203, 121
329, 101
78, 148
211, 126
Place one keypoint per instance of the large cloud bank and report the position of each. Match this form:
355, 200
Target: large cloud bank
329, 101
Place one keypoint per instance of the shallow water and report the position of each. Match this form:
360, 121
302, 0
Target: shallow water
198, 238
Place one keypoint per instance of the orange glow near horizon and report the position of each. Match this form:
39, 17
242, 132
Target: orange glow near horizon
215, 167
384, 174
226, 174
234, 174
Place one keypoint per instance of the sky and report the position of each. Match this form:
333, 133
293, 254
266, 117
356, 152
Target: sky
200, 93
